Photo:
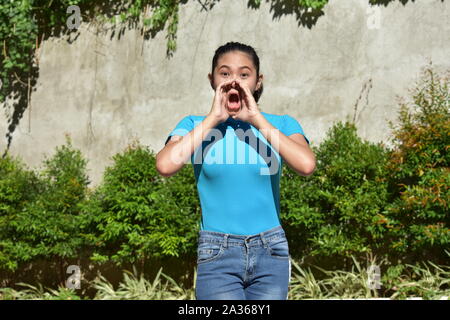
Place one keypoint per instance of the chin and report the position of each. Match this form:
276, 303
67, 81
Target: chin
233, 113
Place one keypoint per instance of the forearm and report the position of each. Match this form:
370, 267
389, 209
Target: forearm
299, 157
175, 155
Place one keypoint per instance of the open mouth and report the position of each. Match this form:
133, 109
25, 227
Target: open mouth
234, 100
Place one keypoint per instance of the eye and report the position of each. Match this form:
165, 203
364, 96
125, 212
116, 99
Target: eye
222, 73
245, 74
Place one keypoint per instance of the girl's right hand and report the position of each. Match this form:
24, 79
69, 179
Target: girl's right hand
218, 111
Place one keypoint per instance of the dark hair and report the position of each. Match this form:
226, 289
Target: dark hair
233, 46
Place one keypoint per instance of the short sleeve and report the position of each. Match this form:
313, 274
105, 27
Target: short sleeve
292, 126
183, 127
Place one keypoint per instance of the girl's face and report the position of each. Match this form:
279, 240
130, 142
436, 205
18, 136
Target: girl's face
235, 65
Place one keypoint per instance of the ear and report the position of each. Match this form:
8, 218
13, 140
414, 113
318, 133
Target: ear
259, 82
211, 81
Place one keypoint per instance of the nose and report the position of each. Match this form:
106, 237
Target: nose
235, 83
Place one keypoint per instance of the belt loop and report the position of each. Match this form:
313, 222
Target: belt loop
263, 239
225, 241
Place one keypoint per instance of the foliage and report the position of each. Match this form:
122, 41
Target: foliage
46, 224
136, 213
419, 170
335, 285
18, 31
37, 293
24, 23
138, 288
335, 210
426, 281
18, 188
365, 198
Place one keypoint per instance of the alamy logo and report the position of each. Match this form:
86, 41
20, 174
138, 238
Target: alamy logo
374, 17
74, 20
74, 281
374, 276
213, 152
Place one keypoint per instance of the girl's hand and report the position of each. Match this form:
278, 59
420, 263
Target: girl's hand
218, 110
249, 109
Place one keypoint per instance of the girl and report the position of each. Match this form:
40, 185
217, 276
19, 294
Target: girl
237, 153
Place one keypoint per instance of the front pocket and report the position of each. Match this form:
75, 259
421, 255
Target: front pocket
279, 248
208, 251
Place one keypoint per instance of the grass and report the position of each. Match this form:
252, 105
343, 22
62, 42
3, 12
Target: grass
37, 293
133, 287
416, 282
426, 281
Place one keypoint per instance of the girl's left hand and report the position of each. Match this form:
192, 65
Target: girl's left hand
249, 109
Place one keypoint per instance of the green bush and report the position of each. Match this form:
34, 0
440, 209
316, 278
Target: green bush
138, 214
46, 225
333, 212
419, 173
18, 187
366, 199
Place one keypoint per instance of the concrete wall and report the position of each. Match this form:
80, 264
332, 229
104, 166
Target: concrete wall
105, 92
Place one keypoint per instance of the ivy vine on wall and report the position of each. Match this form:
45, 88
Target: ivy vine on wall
25, 24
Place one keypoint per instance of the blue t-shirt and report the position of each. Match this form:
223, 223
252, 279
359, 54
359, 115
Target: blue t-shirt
238, 174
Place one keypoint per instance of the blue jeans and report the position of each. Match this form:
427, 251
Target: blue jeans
233, 267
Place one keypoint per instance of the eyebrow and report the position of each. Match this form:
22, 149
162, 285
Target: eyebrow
224, 65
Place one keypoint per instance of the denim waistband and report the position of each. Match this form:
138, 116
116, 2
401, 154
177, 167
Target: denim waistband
241, 240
